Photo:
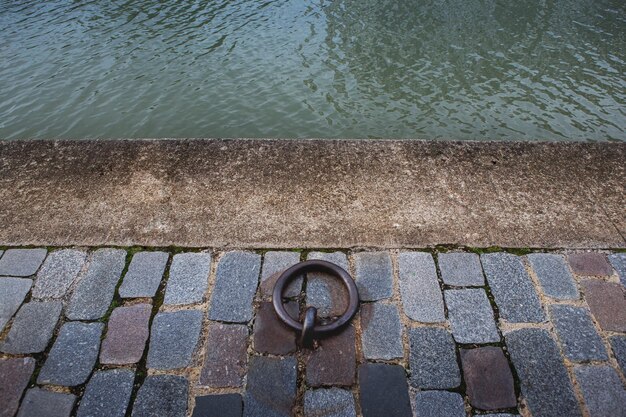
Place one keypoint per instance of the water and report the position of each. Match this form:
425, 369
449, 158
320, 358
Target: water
455, 69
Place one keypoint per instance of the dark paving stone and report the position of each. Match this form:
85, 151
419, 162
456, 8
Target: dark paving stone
42, 403
497, 415
331, 402
271, 335
439, 404
144, 275
384, 391
607, 302
576, 332
461, 269
374, 275
73, 355
12, 294
512, 288
618, 345
173, 339
324, 291
274, 264
618, 260
602, 390
334, 360
107, 394
162, 395
33, 327
271, 387
188, 279
554, 276
590, 263
488, 378
421, 295
433, 359
21, 262
543, 378
126, 335
58, 272
94, 292
220, 405
471, 317
14, 376
226, 355
381, 331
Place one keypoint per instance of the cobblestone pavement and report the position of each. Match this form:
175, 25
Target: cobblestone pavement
447, 332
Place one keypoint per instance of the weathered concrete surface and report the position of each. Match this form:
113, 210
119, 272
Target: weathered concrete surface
312, 193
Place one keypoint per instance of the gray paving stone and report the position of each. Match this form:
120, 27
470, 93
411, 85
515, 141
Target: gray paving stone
618, 345
497, 415
578, 336
374, 275
332, 402
381, 331
21, 262
189, 278
1, 252
94, 292
144, 275
433, 359
383, 390
274, 263
218, 405
15, 374
439, 404
419, 287
271, 387
512, 288
602, 390
173, 339
162, 395
618, 260
12, 294
32, 328
543, 378
461, 269
235, 285
471, 317
58, 273
42, 403
554, 275
107, 394
324, 291
73, 354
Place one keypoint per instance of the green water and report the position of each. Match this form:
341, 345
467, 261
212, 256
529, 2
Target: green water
456, 69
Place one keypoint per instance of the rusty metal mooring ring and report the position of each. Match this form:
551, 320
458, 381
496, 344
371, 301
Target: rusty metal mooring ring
309, 329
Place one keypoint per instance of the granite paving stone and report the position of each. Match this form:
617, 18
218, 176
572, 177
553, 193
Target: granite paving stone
384, 391
14, 376
94, 292
274, 264
73, 354
544, 381
602, 390
578, 336
488, 378
126, 335
618, 260
21, 262
590, 264
188, 279
58, 273
334, 360
226, 355
471, 317
40, 402
107, 394
331, 402
271, 335
173, 339
618, 345
381, 331
235, 285
433, 359
144, 275
439, 404
374, 275
162, 395
325, 292
497, 415
512, 288
421, 295
1, 252
607, 302
271, 387
32, 328
218, 405
12, 294
553, 275
461, 269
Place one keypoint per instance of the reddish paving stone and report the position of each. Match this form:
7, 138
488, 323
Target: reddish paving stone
14, 377
225, 360
488, 378
126, 335
334, 361
271, 335
607, 302
590, 263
